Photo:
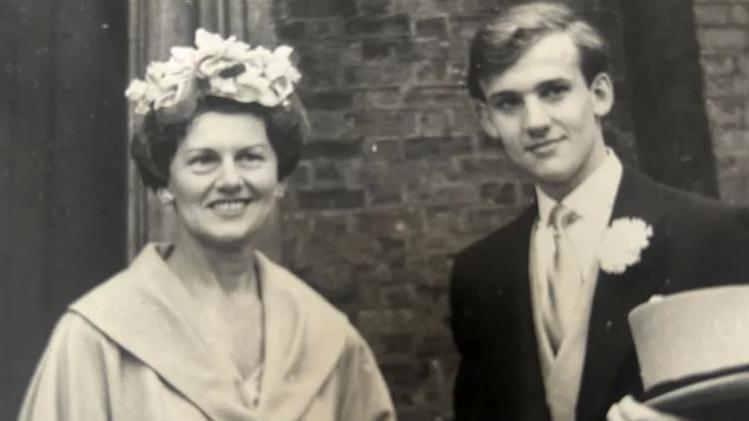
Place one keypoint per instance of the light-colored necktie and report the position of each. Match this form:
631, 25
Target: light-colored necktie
563, 278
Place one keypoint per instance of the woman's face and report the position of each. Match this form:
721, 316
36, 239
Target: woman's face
224, 178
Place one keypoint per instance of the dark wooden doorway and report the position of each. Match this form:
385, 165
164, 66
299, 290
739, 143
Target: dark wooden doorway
63, 163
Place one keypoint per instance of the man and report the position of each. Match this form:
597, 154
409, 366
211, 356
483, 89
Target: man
539, 307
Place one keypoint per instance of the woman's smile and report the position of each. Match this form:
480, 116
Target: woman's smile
229, 207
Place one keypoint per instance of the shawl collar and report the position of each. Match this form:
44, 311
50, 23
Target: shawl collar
146, 311
609, 338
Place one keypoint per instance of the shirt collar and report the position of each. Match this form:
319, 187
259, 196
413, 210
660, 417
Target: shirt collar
594, 196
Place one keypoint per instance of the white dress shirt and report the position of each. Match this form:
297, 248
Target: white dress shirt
593, 202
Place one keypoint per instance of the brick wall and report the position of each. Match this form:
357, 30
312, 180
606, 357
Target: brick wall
723, 34
398, 176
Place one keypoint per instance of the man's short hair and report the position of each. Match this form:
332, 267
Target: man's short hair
502, 41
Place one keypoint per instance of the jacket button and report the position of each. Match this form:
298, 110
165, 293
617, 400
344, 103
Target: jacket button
609, 324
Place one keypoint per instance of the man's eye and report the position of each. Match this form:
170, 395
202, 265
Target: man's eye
554, 91
507, 103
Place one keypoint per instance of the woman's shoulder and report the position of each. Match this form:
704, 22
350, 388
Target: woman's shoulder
279, 278
76, 342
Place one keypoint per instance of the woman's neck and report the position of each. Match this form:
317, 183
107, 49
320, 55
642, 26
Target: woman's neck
207, 270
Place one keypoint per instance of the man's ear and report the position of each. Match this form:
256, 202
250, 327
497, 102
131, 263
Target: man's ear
602, 91
482, 110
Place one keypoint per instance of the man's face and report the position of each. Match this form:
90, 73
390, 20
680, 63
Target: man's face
547, 116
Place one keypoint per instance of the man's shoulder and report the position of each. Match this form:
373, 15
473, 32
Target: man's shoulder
502, 239
685, 205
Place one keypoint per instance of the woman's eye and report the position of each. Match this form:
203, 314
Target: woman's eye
202, 162
249, 158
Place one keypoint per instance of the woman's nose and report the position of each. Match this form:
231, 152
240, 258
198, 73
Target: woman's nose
229, 177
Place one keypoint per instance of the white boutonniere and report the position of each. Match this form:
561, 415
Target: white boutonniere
623, 243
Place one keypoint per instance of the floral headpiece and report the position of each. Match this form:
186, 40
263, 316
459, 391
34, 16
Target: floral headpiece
217, 67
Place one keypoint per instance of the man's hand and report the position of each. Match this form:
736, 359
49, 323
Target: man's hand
628, 409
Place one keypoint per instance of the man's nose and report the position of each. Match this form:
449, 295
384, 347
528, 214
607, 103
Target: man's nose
536, 119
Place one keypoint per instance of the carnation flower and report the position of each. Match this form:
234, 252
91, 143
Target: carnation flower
622, 244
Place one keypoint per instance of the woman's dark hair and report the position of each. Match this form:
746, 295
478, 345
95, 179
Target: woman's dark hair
502, 42
154, 147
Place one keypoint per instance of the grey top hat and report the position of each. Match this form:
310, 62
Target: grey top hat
693, 349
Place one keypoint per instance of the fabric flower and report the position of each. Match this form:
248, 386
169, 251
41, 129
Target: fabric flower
136, 92
216, 66
622, 244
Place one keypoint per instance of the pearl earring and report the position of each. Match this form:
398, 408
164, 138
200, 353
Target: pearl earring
165, 196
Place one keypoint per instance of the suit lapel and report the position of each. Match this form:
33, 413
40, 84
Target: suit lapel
609, 339
514, 310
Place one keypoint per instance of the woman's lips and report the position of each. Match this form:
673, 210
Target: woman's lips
229, 207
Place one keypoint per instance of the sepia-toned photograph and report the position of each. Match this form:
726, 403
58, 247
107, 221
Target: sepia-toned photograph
374, 210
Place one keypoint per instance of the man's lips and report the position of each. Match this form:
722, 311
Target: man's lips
538, 145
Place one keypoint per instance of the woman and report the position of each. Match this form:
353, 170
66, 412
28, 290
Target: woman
208, 328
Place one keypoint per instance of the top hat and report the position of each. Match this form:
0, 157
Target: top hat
693, 349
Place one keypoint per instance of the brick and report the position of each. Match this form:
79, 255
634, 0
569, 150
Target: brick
331, 199
489, 167
434, 123
292, 31
387, 150
384, 98
432, 27
301, 176
424, 49
726, 86
376, 7
724, 113
499, 193
324, 28
444, 147
331, 225
431, 96
378, 75
328, 100
388, 223
388, 173
431, 72
327, 173
384, 196
739, 14
387, 320
385, 123
378, 49
730, 140
723, 40
379, 26
711, 14
332, 125
451, 195
333, 149
721, 65
731, 164
320, 8
742, 62
734, 190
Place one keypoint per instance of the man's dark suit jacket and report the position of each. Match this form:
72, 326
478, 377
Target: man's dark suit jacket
696, 243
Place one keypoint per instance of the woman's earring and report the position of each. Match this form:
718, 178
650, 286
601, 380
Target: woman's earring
165, 196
